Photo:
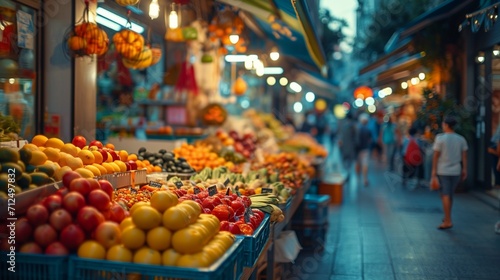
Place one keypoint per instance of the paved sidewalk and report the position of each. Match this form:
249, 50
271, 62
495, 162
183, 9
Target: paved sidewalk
388, 232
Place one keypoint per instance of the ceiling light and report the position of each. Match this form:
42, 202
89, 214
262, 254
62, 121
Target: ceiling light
404, 85
370, 101
283, 81
274, 55
421, 76
173, 18
109, 24
297, 107
120, 20
234, 38
271, 81
415, 81
372, 108
273, 71
310, 96
295, 87
154, 9
236, 58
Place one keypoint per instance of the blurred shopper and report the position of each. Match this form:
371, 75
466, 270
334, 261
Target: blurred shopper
389, 142
494, 151
346, 136
375, 126
363, 144
449, 165
412, 158
320, 127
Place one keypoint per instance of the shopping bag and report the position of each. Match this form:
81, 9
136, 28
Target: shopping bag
434, 184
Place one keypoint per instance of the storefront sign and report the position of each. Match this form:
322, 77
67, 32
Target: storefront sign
25, 30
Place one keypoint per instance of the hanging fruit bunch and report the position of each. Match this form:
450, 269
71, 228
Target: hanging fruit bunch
223, 25
126, 2
86, 38
239, 86
128, 44
213, 114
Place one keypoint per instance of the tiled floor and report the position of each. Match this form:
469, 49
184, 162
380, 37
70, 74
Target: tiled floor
385, 231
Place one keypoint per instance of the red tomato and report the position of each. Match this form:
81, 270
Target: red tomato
224, 226
238, 207
259, 213
247, 201
223, 212
245, 229
234, 229
254, 221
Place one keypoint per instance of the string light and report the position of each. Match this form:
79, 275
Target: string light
488, 16
154, 9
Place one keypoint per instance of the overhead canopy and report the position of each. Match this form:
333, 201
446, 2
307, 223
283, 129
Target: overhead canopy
288, 25
316, 83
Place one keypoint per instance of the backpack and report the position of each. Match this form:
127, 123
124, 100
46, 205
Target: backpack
413, 155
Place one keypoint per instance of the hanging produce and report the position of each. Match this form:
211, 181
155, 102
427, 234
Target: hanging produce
126, 2
239, 86
143, 60
86, 38
128, 44
213, 114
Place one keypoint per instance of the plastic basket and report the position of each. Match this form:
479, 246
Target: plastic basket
253, 245
34, 267
229, 266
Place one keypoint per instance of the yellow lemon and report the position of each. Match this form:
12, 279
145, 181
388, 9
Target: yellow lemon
94, 170
70, 149
39, 140
54, 143
38, 158
86, 156
101, 168
121, 165
85, 173
52, 154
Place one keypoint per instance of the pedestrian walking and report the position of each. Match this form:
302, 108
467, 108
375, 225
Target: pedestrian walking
449, 165
346, 136
412, 158
363, 145
389, 142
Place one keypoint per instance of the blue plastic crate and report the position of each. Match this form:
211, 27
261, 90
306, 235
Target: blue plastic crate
253, 245
34, 267
229, 266
312, 211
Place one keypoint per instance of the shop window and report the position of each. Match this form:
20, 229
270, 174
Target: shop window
18, 64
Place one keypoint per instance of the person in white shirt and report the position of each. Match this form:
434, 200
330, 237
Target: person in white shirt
449, 164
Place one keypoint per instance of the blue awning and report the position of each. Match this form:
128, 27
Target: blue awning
288, 25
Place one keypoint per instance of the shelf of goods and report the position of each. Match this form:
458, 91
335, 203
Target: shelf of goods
24, 200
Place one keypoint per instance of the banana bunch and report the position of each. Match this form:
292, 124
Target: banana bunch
268, 203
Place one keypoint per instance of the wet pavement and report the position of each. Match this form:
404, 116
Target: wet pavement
386, 231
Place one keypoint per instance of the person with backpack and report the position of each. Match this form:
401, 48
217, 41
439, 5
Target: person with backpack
449, 165
363, 145
412, 157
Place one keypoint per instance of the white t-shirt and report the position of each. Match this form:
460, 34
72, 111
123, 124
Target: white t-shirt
451, 146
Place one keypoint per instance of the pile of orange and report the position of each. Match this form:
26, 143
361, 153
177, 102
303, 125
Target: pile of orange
200, 156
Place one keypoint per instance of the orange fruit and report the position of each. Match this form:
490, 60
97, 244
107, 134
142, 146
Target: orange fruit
30, 147
84, 172
119, 253
132, 157
54, 143
170, 257
52, 154
101, 168
133, 237
87, 156
94, 170
76, 43
157, 168
110, 146
175, 218
146, 217
38, 158
97, 157
159, 238
123, 155
70, 149
137, 205
91, 249
121, 165
196, 209
126, 223
39, 140
147, 255
162, 200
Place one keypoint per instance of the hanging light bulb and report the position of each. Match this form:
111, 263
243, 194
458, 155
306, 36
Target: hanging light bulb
173, 18
234, 38
154, 9
274, 54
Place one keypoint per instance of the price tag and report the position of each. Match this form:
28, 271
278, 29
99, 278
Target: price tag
179, 184
155, 184
267, 190
237, 191
228, 191
247, 215
196, 190
132, 190
226, 182
193, 183
212, 190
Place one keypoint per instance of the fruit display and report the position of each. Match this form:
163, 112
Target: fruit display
243, 144
304, 142
264, 120
165, 161
128, 43
62, 223
200, 156
9, 129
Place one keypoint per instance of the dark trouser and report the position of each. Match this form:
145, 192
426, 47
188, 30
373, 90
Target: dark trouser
496, 173
412, 172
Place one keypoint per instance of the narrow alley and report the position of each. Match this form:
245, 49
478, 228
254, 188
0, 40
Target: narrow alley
385, 231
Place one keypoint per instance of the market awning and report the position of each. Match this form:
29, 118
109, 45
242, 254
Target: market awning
316, 83
288, 25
